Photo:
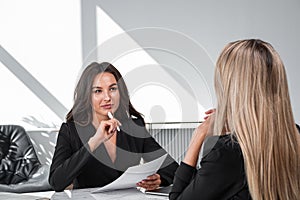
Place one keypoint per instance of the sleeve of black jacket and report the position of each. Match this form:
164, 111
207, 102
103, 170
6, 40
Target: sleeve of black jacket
66, 165
220, 176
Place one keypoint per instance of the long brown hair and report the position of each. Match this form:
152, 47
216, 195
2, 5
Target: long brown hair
254, 104
81, 111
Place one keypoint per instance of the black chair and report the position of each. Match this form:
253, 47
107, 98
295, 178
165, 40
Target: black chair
20, 168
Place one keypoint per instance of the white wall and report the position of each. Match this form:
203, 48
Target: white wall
50, 41
215, 23
44, 38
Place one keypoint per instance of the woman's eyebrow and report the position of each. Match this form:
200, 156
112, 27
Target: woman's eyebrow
98, 87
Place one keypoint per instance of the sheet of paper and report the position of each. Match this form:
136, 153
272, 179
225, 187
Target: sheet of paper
133, 175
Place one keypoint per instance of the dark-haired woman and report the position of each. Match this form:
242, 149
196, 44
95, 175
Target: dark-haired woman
94, 149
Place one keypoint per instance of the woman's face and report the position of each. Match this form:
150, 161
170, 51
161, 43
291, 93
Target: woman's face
105, 95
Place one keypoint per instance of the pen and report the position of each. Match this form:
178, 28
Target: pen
110, 117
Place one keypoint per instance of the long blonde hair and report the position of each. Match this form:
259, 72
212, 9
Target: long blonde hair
254, 105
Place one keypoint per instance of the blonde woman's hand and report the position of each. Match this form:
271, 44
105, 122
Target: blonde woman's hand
105, 130
205, 128
199, 135
209, 113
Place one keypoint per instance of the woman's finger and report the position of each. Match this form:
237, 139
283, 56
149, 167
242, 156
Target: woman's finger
210, 111
153, 177
151, 182
110, 125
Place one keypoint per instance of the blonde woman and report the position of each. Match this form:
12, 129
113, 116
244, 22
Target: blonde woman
257, 153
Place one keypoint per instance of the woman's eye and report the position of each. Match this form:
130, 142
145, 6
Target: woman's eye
113, 89
97, 91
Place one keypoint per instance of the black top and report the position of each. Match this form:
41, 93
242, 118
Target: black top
221, 176
74, 163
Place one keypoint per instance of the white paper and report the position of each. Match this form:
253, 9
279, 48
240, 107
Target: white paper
133, 175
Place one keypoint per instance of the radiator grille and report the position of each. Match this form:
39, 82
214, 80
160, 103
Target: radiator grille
174, 140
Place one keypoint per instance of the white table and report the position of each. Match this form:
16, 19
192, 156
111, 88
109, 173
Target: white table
128, 194
26, 196
83, 194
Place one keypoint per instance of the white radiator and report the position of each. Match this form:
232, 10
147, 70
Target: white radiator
174, 140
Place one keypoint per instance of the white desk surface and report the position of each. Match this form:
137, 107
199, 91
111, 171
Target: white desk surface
85, 194
26, 196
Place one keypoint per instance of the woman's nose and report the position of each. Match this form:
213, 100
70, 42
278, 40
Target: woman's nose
107, 96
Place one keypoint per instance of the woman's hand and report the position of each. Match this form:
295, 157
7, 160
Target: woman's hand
200, 133
152, 182
209, 113
105, 130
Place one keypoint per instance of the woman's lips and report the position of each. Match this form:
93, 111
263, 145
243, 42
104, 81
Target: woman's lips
108, 106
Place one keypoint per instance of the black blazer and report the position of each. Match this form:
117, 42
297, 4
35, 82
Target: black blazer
221, 175
74, 163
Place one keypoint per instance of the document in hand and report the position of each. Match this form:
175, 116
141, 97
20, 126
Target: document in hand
133, 175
